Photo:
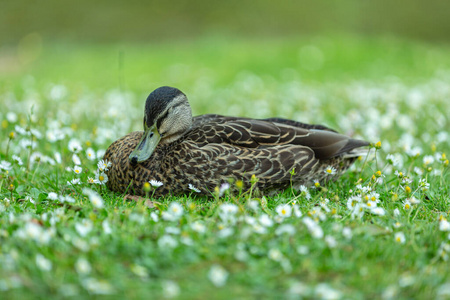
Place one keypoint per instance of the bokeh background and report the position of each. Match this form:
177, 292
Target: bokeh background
204, 46
150, 21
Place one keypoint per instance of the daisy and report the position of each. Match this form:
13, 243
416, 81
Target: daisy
43, 263
223, 188
103, 165
218, 275
17, 159
74, 181
82, 266
90, 154
284, 210
428, 160
406, 204
52, 196
76, 159
193, 188
101, 178
275, 254
74, 146
84, 227
173, 213
94, 197
155, 183
198, 226
77, 170
400, 237
330, 170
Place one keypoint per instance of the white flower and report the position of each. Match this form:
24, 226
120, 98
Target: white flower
399, 237
379, 211
424, 185
275, 254
265, 220
84, 227
154, 216
347, 233
170, 289
218, 275
173, 213
227, 211
101, 178
198, 226
106, 227
43, 263
444, 225
302, 249
172, 230
193, 188
90, 154
253, 204
330, 241
304, 191
74, 181
225, 232
76, 159
52, 196
330, 170
74, 146
285, 228
396, 212
223, 187
82, 266
97, 287
297, 211
428, 160
284, 210
325, 292
11, 117
352, 202
167, 242
94, 197
104, 165
406, 204
155, 183
67, 198
77, 170
314, 228
5, 165
17, 159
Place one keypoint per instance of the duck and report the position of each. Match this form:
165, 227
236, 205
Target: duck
196, 155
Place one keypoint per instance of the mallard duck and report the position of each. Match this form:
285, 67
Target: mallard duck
198, 154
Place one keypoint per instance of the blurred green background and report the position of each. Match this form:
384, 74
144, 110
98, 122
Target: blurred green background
139, 45
145, 21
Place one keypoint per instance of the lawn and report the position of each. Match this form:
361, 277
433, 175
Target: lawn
379, 231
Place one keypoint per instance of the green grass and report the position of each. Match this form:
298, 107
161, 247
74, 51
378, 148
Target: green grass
387, 90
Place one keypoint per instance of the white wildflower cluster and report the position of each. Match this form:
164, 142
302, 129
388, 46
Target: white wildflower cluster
364, 200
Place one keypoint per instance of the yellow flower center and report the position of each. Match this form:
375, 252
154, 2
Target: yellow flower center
283, 211
407, 206
101, 178
329, 171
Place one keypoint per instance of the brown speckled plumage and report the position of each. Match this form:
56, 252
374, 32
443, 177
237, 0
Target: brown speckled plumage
216, 148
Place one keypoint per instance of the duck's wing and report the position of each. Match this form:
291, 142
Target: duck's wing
252, 133
298, 124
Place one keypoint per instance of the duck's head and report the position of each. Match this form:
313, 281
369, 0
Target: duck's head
167, 117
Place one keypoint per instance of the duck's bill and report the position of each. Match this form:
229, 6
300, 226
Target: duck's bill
146, 146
